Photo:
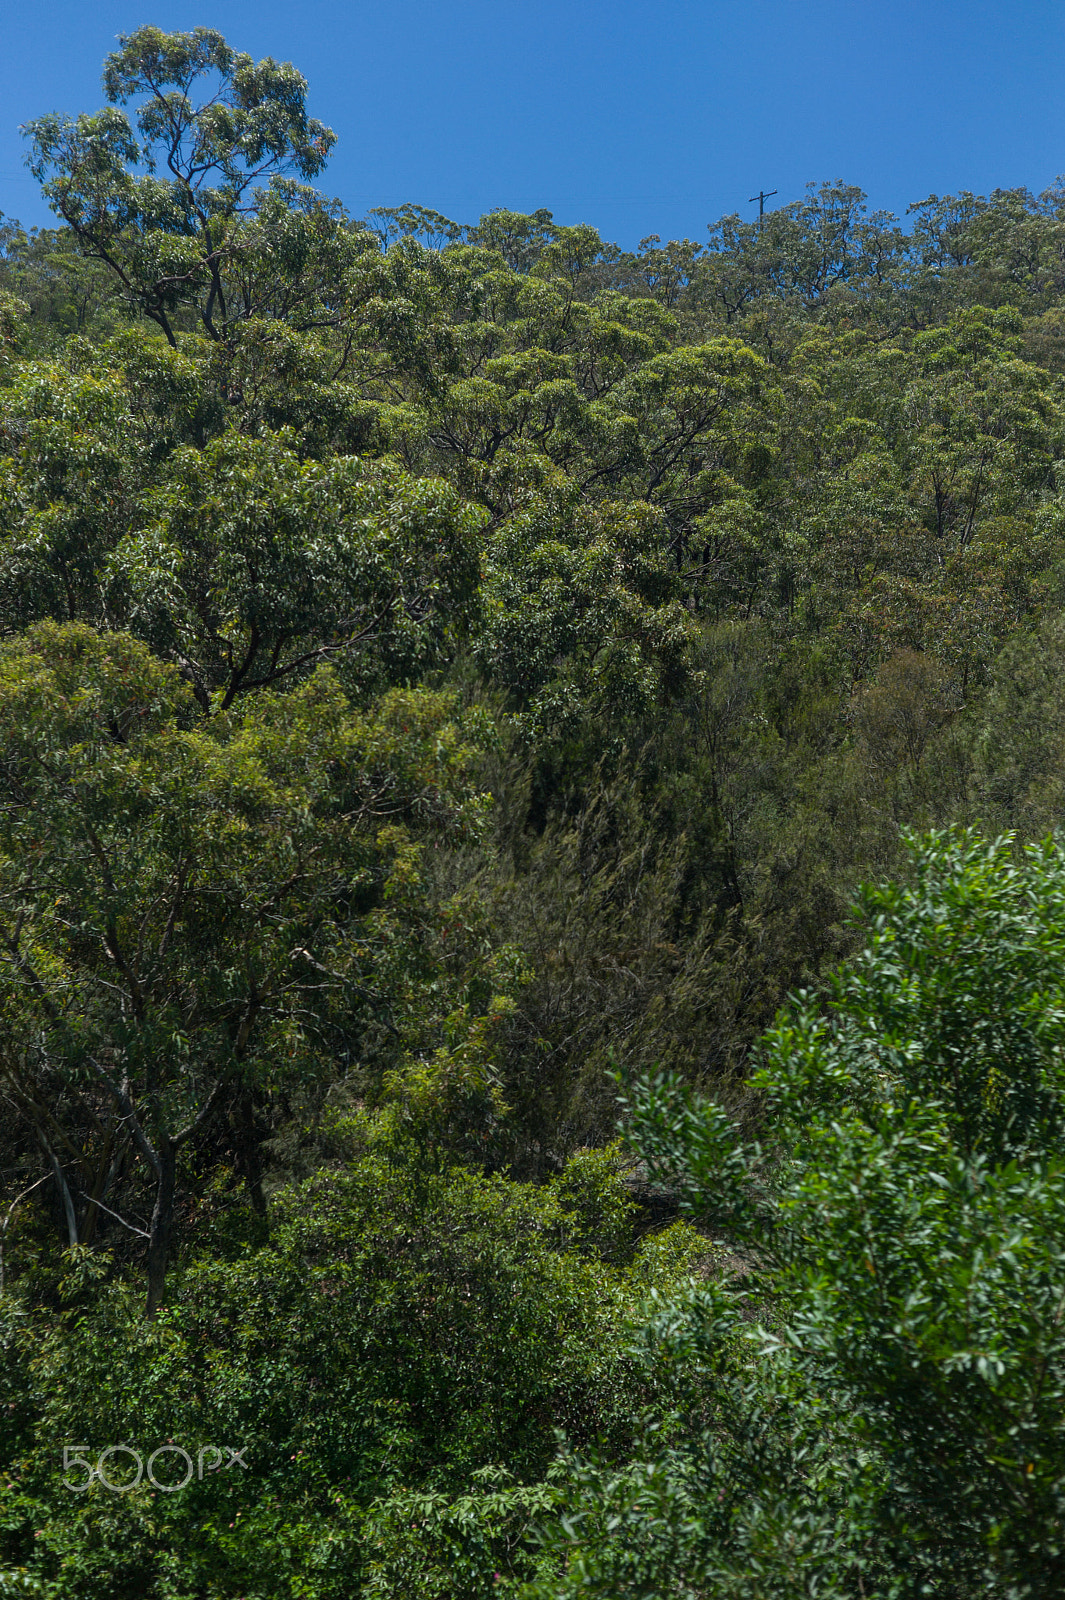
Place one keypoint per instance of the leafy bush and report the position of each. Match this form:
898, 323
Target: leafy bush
878, 1402
406, 1334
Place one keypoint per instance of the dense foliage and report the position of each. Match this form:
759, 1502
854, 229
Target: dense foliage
455, 682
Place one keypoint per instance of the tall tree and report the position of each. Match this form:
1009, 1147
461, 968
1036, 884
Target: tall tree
194, 911
163, 210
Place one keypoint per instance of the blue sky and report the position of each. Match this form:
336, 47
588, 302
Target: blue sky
639, 118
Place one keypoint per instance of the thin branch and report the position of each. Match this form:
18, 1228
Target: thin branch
100, 1205
198, 1121
125, 1105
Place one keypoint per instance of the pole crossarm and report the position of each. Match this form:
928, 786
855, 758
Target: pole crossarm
762, 196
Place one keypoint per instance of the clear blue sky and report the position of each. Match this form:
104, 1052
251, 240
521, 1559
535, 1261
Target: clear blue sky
652, 117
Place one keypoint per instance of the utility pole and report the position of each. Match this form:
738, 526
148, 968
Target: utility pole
762, 196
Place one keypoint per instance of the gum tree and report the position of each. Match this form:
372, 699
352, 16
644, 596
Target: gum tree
163, 200
194, 911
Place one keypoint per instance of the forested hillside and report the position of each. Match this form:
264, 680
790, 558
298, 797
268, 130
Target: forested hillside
455, 681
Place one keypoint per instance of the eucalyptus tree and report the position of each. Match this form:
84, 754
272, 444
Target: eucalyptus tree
165, 200
193, 910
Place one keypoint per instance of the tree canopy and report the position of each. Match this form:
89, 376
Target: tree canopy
531, 908
162, 210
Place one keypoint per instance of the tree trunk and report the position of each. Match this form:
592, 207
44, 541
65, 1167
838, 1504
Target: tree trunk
63, 1191
161, 1226
248, 1146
